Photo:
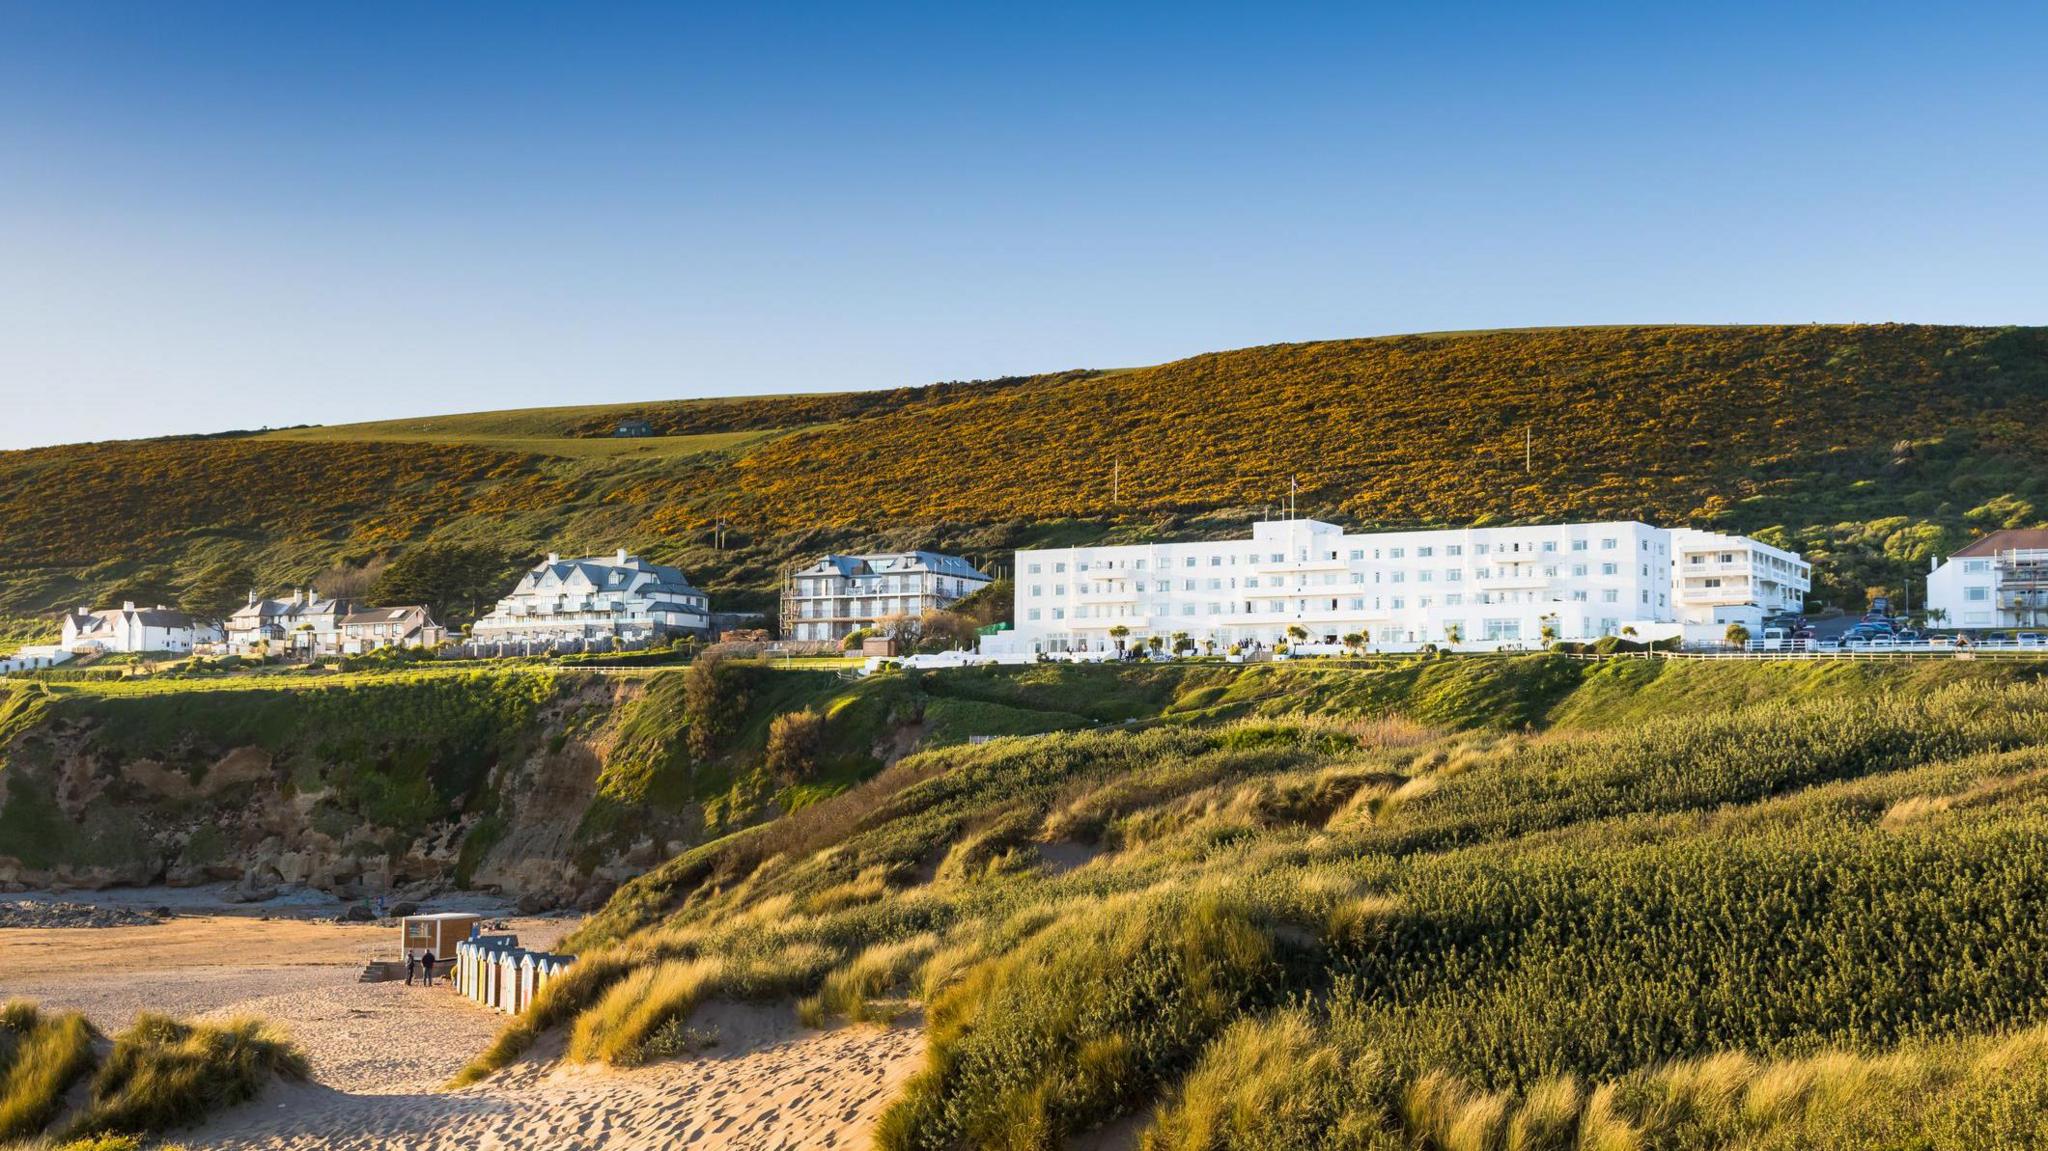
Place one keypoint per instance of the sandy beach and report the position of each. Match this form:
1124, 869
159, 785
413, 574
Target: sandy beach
380, 1051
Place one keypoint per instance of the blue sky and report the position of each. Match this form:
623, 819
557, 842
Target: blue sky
220, 216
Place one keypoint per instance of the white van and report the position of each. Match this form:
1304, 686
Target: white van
1777, 639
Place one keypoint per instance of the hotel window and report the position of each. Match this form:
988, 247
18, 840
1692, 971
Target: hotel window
1610, 569
1646, 571
1424, 553
1607, 545
1357, 553
1481, 549
1397, 577
1550, 572
1032, 614
1163, 586
1550, 545
1082, 565
1059, 589
1215, 609
1187, 585
1727, 557
1187, 609
1215, 585
1253, 581
1422, 601
1189, 562
1059, 613
1578, 597
1579, 569
1038, 589
1578, 545
1610, 596
1396, 603
1215, 561
1033, 569
1482, 573
1454, 549
1422, 576
1454, 600
1357, 577
1713, 583
1396, 553
1976, 565
1060, 567
1977, 594
1645, 595
1358, 603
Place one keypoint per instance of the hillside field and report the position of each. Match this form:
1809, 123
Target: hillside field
1869, 448
1642, 904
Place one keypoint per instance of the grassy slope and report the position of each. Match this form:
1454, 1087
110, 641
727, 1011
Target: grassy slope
1336, 931
1863, 444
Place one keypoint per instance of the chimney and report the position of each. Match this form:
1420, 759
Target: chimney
127, 605
554, 557
622, 556
252, 597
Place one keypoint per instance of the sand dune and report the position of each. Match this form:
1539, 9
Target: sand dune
770, 1085
380, 1051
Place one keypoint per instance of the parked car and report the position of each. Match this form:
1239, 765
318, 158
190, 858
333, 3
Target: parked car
1829, 644
2030, 639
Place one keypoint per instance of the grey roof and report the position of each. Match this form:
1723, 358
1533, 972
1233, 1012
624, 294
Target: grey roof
896, 563
386, 615
91, 621
598, 569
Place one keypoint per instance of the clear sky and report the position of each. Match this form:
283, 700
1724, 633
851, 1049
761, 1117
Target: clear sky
219, 216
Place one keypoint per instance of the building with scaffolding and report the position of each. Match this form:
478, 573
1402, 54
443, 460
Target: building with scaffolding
1999, 581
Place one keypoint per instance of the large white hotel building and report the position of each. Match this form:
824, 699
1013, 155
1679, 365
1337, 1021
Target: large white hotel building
1473, 587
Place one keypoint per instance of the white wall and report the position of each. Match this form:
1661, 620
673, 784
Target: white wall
1496, 585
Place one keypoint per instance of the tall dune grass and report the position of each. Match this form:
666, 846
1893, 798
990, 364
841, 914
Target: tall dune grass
163, 1073
41, 1056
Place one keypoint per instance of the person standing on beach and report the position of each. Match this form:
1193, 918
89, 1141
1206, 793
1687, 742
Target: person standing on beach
427, 961
412, 967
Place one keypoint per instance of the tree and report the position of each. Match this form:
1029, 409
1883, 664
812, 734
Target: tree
456, 582
716, 693
1736, 636
218, 590
1454, 634
795, 739
947, 631
1549, 629
905, 630
1118, 633
855, 638
1297, 633
1355, 640
1156, 643
1181, 642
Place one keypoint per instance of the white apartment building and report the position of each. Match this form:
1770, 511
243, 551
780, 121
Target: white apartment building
131, 628
839, 594
588, 599
1998, 581
1719, 579
1482, 588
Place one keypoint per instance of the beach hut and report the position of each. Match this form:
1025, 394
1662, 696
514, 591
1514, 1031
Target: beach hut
526, 974
438, 933
508, 982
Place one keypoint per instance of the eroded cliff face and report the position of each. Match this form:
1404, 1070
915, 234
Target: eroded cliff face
403, 788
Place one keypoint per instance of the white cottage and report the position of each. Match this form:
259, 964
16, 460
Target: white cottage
131, 628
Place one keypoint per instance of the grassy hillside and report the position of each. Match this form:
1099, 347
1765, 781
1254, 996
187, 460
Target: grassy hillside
1867, 447
1816, 921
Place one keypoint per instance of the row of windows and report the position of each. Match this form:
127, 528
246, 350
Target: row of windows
1329, 579
1355, 603
1609, 543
